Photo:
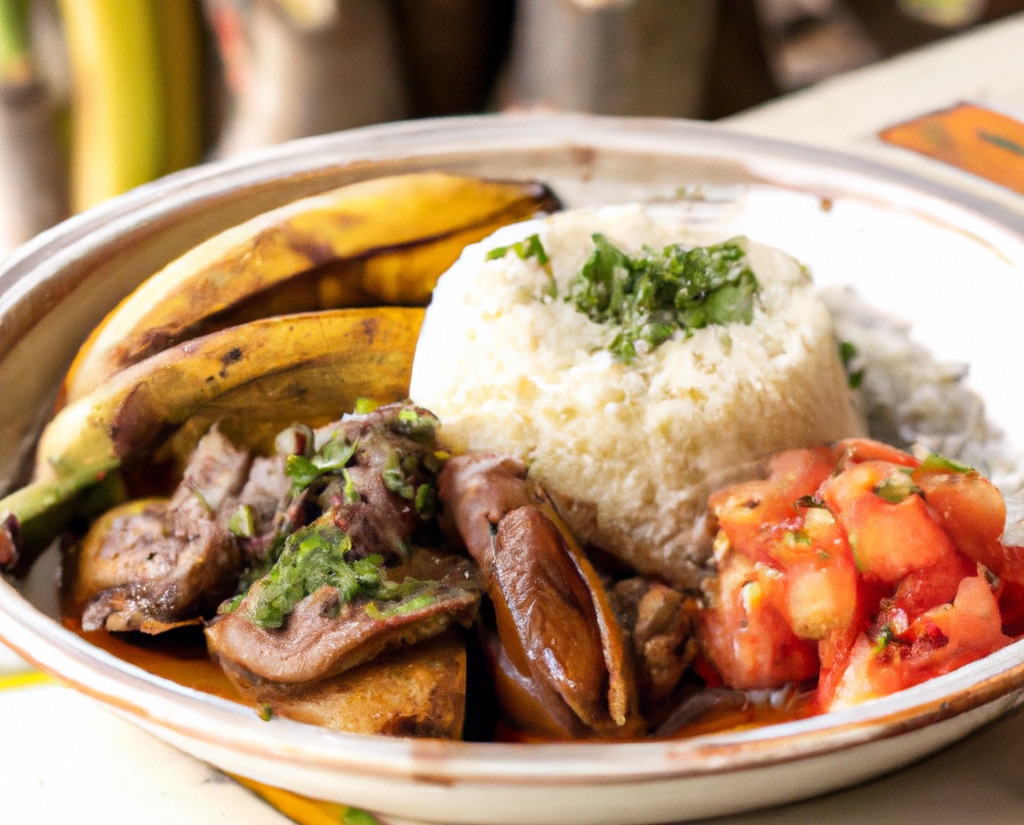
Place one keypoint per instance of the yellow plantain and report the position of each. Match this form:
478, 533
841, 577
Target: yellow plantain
117, 97
180, 34
391, 236
315, 365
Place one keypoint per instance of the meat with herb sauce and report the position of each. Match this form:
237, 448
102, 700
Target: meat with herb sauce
154, 565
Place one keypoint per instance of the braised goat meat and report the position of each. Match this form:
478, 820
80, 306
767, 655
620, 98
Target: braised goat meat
561, 664
353, 611
164, 562
331, 600
659, 623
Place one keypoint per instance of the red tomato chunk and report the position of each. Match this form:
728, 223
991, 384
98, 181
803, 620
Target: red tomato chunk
861, 567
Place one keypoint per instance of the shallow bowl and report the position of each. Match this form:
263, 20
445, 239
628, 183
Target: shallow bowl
949, 264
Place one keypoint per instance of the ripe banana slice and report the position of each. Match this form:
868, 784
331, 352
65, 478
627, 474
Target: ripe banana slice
255, 379
386, 239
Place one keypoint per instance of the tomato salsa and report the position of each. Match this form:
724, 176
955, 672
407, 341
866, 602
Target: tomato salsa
860, 568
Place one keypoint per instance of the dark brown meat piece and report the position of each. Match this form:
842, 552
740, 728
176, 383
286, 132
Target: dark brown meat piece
659, 625
380, 520
394, 446
562, 667
478, 491
265, 491
275, 512
305, 619
173, 561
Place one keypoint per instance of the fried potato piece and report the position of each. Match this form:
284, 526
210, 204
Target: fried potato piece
417, 691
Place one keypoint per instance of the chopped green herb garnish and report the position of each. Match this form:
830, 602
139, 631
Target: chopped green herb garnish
426, 501
365, 405
402, 608
301, 471
886, 636
420, 427
312, 557
394, 475
935, 463
847, 352
355, 816
655, 294
265, 711
896, 489
527, 248
798, 537
242, 522
349, 492
230, 606
315, 557
330, 458
334, 455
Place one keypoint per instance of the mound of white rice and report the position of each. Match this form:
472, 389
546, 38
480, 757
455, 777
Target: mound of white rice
630, 451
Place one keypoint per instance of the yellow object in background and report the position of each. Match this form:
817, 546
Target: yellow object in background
305, 811
135, 74
180, 29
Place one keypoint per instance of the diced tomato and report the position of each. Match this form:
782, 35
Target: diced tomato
819, 575
744, 634
932, 586
938, 641
752, 515
859, 450
820, 599
892, 535
1014, 557
1011, 608
971, 624
835, 650
869, 672
972, 512
756, 515
797, 473
864, 565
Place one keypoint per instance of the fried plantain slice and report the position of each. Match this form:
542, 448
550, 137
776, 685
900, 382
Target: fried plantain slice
384, 240
326, 360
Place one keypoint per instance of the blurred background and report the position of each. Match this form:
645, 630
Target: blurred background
98, 96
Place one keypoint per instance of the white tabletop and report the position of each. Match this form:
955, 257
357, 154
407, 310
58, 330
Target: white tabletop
57, 747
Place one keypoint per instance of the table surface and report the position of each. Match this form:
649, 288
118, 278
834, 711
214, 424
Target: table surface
57, 747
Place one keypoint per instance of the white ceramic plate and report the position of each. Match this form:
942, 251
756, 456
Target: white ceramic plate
951, 265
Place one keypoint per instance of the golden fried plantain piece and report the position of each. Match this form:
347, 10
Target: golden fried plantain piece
382, 240
417, 691
321, 361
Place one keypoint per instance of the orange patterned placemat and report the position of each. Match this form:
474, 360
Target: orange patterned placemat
978, 140
304, 811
